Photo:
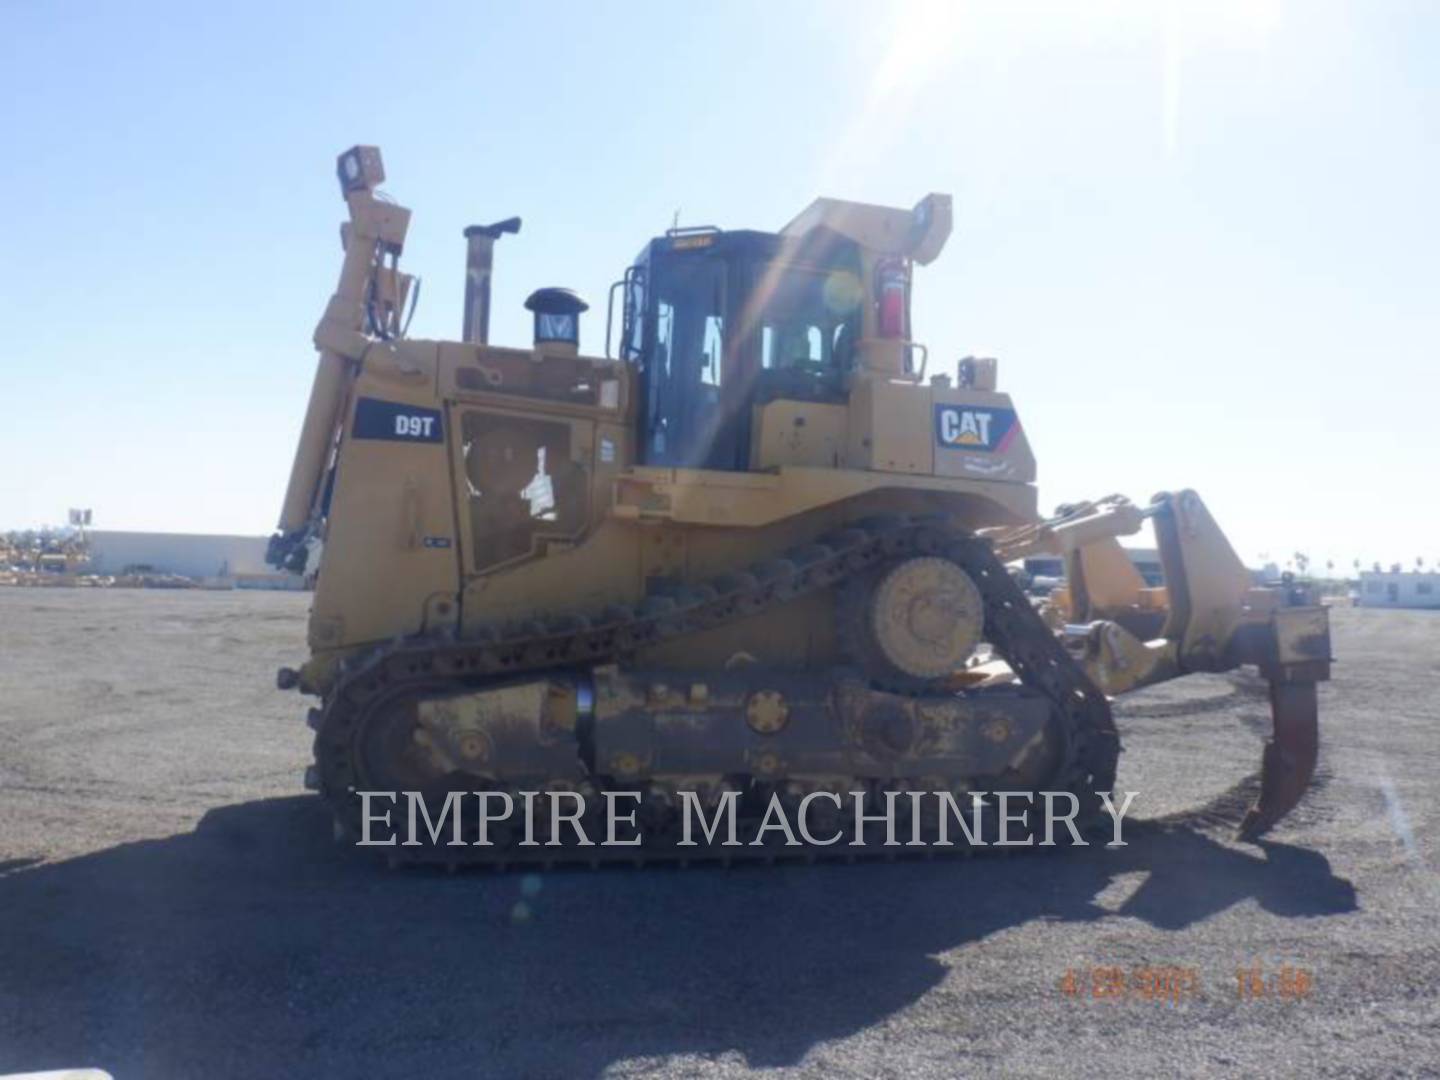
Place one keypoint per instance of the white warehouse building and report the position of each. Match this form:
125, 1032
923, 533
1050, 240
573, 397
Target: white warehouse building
192, 555
1412, 589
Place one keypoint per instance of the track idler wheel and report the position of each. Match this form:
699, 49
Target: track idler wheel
914, 622
1290, 755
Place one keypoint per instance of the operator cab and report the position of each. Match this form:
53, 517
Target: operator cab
719, 322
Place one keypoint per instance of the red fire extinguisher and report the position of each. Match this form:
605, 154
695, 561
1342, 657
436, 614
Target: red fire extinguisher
893, 282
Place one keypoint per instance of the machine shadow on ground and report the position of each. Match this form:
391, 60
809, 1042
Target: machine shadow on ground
252, 946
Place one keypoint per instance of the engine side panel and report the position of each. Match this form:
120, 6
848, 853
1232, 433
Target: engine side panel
389, 565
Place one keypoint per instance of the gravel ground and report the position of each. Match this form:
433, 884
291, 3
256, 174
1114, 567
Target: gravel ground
172, 905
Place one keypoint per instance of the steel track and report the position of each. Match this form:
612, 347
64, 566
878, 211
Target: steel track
1087, 760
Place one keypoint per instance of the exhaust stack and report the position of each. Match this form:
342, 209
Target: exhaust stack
479, 262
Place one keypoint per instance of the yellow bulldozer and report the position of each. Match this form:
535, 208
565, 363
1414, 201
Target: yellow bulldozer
751, 553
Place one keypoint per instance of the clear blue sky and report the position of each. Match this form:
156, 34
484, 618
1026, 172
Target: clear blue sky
1202, 238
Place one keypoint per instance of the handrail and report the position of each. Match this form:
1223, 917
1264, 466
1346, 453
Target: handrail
610, 313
